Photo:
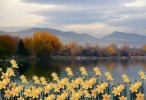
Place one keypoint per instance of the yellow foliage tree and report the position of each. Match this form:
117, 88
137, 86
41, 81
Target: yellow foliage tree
110, 50
144, 48
43, 44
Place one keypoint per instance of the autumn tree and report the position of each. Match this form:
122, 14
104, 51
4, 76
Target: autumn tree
43, 44
7, 45
110, 50
74, 48
144, 49
28, 43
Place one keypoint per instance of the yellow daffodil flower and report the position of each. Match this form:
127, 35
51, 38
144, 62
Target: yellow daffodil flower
106, 97
97, 71
7, 94
122, 98
139, 96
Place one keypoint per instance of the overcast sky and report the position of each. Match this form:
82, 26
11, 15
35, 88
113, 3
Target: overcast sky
95, 17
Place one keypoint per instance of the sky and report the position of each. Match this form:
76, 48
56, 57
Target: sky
95, 17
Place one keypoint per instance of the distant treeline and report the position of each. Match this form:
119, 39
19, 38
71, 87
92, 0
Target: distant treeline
44, 44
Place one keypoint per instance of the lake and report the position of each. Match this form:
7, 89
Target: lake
115, 67
46, 67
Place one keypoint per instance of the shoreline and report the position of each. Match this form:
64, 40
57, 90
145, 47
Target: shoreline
78, 58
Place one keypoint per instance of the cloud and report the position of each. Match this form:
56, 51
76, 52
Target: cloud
136, 3
96, 17
72, 2
17, 14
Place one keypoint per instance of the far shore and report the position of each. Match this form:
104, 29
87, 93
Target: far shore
95, 58
76, 58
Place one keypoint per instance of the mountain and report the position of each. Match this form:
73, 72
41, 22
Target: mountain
116, 37
65, 37
121, 38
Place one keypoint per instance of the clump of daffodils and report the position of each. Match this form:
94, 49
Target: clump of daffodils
69, 88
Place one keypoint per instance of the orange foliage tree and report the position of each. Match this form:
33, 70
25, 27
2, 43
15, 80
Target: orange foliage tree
7, 45
43, 44
110, 50
144, 48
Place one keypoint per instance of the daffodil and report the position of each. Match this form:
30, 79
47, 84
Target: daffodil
100, 88
105, 97
27, 93
48, 88
23, 79
43, 80
13, 85
35, 92
76, 82
134, 87
86, 93
13, 63
118, 90
93, 93
55, 77
50, 97
4, 83
142, 75
97, 71
10, 71
7, 94
36, 80
139, 96
75, 96
20, 98
108, 76
5, 75
83, 71
69, 71
122, 98
61, 97
125, 78
16, 91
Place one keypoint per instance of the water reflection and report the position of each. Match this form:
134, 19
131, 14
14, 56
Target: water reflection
46, 67
39, 68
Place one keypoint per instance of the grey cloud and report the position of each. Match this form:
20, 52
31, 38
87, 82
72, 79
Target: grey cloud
112, 13
130, 17
73, 17
75, 1
132, 22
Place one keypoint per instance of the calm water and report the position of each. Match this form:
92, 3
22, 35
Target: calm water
45, 67
116, 67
